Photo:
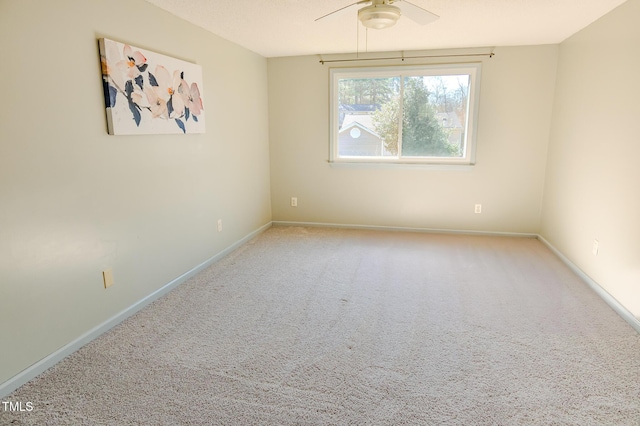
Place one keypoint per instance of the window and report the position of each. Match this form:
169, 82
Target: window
407, 114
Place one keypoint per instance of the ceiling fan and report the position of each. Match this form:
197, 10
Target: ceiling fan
382, 14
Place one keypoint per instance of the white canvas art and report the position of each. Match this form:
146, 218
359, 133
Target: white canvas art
149, 93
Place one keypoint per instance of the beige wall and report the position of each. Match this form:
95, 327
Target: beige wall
74, 200
515, 112
592, 188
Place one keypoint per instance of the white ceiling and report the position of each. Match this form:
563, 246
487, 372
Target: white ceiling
287, 28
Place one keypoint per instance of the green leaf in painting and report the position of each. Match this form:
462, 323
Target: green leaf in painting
170, 107
181, 125
135, 110
152, 80
128, 88
110, 93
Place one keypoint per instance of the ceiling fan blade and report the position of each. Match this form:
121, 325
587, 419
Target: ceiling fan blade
342, 8
416, 13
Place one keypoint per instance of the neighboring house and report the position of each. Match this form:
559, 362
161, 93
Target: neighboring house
346, 110
450, 122
357, 137
363, 118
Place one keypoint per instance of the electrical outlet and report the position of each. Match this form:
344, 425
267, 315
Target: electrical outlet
219, 225
294, 201
107, 277
595, 248
478, 208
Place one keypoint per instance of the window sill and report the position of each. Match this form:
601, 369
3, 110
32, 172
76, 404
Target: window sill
346, 164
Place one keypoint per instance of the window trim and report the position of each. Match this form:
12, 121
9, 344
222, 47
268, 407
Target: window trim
473, 69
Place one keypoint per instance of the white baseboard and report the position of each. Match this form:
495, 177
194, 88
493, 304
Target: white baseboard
44, 364
608, 298
405, 229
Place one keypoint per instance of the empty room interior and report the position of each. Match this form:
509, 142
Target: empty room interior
296, 262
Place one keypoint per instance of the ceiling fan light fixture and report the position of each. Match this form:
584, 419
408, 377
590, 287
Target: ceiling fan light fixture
379, 16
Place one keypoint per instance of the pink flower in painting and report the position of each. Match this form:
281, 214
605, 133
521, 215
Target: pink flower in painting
157, 104
162, 94
191, 97
177, 103
110, 66
139, 98
133, 62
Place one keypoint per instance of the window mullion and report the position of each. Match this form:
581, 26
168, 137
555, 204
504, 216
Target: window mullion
400, 115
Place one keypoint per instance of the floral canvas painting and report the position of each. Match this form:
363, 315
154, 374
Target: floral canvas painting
150, 93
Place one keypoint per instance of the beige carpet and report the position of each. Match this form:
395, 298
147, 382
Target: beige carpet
312, 326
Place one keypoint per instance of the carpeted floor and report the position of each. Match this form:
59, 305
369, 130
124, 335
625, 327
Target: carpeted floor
315, 326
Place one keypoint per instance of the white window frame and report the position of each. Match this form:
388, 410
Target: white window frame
473, 70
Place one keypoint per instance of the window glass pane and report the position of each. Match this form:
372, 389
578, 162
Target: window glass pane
434, 117
360, 101
424, 114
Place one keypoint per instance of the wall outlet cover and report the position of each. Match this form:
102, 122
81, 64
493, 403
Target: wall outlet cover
107, 277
